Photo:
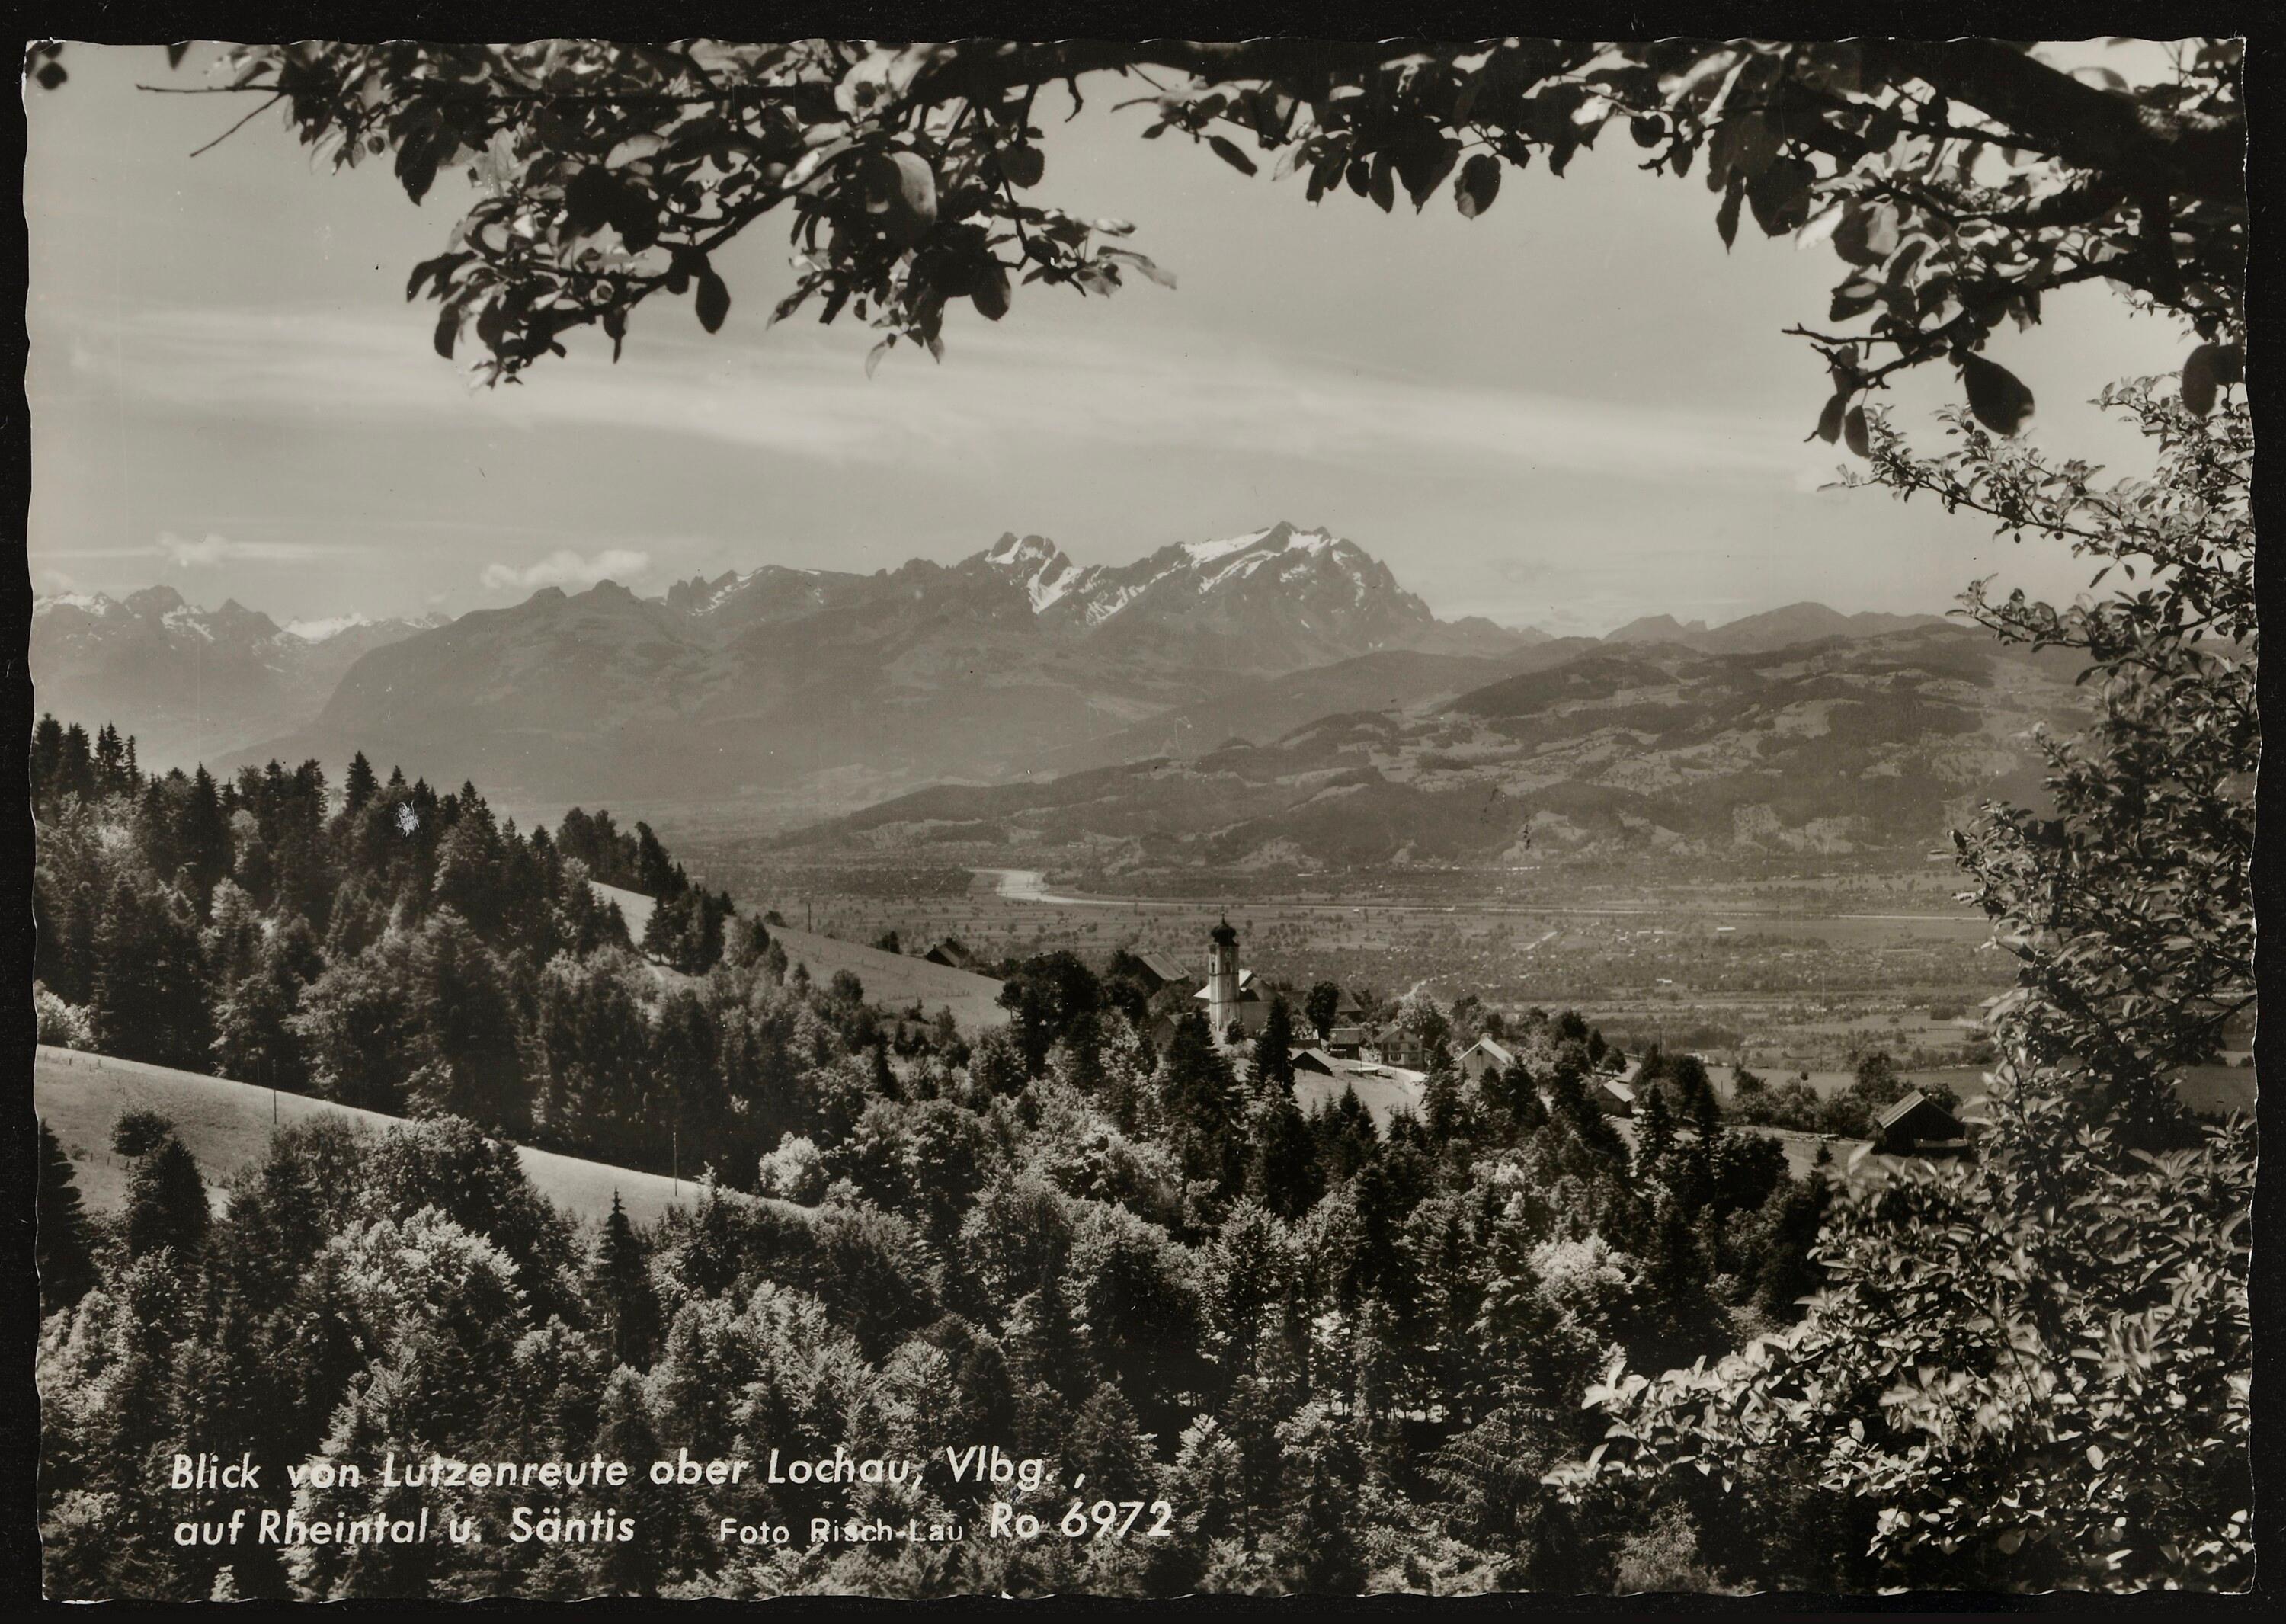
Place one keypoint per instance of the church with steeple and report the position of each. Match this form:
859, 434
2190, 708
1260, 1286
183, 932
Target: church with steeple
1231, 996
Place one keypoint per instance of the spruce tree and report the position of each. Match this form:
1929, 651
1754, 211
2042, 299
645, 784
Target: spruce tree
465, 1004
1654, 1128
1287, 1175
66, 1264
1442, 1106
167, 1202
110, 760
149, 1000
358, 786
75, 764
620, 1292
1695, 1094
1323, 1469
47, 759
1274, 1046
1198, 1090
632, 1567
202, 835
1108, 1446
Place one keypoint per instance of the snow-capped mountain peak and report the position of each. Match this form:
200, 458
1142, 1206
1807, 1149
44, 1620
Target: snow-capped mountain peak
96, 603
1279, 595
1039, 566
188, 680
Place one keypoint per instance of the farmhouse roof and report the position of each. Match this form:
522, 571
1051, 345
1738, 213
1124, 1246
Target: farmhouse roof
1904, 1107
1165, 968
1489, 1047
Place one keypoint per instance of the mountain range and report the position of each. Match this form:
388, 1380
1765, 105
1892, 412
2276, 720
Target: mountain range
800, 689
191, 683
1216, 684
1616, 750
1776, 628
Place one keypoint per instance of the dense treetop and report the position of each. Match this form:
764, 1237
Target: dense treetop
1958, 182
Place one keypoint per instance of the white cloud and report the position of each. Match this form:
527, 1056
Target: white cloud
804, 394
317, 631
211, 549
565, 567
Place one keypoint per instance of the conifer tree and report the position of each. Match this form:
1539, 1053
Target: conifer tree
1274, 1046
1285, 1176
1107, 1443
1695, 1094
1324, 1470
1654, 1128
167, 1202
1202, 1110
358, 786
632, 1567
75, 764
620, 1290
66, 1265
149, 1000
472, 1032
202, 836
47, 755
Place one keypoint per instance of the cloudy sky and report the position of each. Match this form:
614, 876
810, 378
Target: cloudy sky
1570, 412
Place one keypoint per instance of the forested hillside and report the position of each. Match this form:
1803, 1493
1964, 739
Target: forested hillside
390, 947
1148, 1266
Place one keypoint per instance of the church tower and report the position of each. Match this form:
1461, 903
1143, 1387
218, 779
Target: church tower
1222, 979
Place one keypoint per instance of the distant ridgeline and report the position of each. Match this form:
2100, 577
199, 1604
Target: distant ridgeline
385, 945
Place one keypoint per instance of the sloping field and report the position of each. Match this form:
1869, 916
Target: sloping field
892, 980
634, 907
895, 979
1381, 1096
227, 1126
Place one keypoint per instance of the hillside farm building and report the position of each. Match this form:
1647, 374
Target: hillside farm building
1160, 971
1919, 1127
1484, 1058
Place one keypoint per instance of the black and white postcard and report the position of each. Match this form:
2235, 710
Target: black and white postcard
1268, 816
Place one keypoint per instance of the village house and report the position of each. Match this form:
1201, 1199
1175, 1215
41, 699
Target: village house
1393, 1046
